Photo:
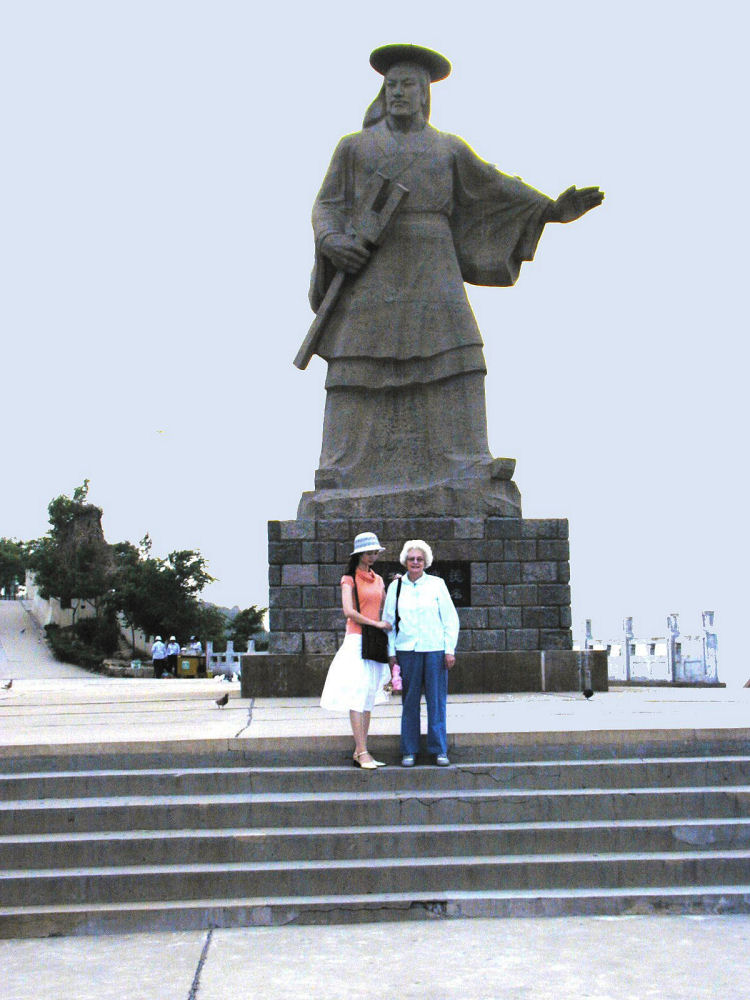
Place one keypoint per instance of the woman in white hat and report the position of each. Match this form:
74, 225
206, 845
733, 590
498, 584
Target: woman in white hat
354, 684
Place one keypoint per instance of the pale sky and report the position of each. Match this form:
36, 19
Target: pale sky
160, 162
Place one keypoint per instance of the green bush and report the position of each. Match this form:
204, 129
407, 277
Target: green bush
101, 634
261, 641
86, 644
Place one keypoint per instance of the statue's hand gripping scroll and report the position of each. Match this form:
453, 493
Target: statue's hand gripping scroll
372, 216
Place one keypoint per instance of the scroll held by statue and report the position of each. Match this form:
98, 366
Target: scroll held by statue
369, 225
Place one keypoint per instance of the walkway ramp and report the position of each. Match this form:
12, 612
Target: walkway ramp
24, 652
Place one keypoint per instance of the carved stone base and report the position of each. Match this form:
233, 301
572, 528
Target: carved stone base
489, 493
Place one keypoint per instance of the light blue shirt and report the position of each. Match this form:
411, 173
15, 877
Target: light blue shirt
427, 618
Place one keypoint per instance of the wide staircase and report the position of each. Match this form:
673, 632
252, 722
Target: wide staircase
97, 844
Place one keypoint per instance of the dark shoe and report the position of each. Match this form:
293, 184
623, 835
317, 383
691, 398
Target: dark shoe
442, 760
407, 760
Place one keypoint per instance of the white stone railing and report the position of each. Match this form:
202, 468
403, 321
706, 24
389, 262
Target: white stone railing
225, 663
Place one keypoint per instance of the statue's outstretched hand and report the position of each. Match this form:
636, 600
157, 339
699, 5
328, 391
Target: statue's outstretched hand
574, 203
345, 252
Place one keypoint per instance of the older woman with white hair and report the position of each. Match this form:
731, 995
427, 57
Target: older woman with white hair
423, 643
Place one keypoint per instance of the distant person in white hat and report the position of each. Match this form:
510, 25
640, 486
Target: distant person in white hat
159, 657
173, 651
355, 683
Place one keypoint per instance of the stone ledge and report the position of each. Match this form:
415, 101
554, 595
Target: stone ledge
269, 675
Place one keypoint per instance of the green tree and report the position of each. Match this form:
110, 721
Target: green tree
246, 624
72, 562
80, 493
13, 561
160, 596
212, 626
126, 595
189, 570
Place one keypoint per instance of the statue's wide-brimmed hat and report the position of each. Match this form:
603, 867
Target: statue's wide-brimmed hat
388, 55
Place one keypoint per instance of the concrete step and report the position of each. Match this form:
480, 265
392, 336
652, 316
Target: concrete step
571, 774
335, 751
352, 908
220, 846
370, 808
369, 875
230, 842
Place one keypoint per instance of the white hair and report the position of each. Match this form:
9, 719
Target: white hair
416, 543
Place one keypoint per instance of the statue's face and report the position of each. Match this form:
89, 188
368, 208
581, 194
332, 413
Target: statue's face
404, 91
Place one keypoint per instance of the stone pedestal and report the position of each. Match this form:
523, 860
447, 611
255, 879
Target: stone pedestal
513, 594
279, 675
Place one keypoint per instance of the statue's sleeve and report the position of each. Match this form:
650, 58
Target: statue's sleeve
497, 220
330, 214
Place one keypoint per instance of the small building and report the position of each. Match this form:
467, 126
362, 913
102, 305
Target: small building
671, 659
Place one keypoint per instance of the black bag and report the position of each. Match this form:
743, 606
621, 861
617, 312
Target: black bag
374, 644
374, 640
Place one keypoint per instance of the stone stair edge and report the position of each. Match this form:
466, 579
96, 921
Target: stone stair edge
244, 778
377, 899
113, 918
421, 861
202, 769
365, 830
370, 796
310, 744
434, 876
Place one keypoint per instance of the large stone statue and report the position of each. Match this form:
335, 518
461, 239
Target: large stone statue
405, 427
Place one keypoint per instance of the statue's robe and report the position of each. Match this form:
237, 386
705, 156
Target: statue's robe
405, 382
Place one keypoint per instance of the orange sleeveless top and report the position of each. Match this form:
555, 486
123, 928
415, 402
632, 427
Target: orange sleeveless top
370, 590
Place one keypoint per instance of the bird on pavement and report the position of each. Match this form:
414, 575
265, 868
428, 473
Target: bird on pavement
221, 702
588, 693
8, 686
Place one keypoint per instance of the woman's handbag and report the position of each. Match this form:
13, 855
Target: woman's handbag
374, 640
374, 644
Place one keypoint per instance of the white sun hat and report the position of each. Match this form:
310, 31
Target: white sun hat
366, 541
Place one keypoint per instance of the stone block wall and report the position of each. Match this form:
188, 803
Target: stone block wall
520, 573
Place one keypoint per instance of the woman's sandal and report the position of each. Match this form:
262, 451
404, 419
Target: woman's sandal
367, 765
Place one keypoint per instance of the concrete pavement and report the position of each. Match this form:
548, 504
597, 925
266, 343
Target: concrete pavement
597, 958
643, 957
48, 714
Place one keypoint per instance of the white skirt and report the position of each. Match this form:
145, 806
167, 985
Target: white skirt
354, 684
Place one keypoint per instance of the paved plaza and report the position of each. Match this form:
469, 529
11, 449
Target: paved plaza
571, 958
57, 708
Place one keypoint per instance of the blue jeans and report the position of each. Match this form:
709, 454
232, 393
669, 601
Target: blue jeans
423, 672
